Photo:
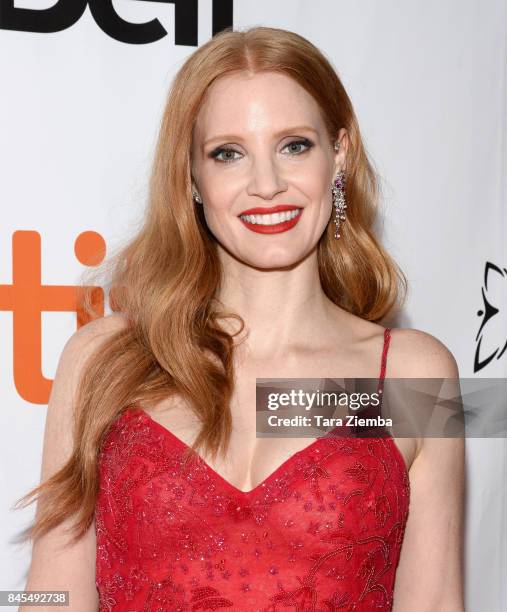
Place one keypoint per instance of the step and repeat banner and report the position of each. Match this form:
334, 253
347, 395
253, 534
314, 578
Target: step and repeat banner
83, 85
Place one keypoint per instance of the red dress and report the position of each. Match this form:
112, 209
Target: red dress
322, 533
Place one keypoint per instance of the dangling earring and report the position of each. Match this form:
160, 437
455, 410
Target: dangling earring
339, 201
339, 196
196, 197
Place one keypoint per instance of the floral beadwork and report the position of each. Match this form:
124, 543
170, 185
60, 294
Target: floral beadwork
323, 533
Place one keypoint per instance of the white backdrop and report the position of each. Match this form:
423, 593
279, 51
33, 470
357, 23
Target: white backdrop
79, 112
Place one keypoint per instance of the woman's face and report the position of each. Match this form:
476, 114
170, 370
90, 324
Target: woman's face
260, 142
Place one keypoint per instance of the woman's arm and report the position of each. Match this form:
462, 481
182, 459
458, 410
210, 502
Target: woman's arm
55, 564
429, 577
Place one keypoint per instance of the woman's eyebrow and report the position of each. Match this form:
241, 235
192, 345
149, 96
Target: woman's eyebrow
284, 132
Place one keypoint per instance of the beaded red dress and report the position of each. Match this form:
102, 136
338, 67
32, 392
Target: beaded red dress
322, 533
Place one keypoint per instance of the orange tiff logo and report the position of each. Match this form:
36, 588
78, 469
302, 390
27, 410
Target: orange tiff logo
27, 299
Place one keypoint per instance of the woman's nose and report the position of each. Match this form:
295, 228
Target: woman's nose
265, 180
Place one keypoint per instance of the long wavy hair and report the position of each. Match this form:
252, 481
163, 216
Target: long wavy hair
164, 279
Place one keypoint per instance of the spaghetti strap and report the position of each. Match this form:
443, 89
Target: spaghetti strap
387, 338
375, 411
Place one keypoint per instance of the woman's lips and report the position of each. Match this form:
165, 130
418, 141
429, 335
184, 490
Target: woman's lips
275, 228
263, 210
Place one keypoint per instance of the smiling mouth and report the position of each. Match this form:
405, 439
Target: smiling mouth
272, 218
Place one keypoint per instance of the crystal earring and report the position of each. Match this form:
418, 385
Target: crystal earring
196, 197
339, 201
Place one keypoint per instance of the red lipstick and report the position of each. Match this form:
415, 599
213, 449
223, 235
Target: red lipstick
275, 228
267, 211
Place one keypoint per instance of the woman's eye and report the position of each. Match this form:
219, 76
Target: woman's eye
226, 155
297, 143
228, 152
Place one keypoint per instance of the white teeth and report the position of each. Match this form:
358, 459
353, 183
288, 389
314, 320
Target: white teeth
271, 219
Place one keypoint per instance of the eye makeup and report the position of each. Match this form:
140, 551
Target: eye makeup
226, 149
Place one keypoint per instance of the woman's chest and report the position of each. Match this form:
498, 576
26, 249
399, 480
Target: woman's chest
252, 458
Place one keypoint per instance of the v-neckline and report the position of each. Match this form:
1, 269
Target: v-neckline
237, 492
137, 407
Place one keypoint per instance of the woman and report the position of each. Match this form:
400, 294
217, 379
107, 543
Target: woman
255, 120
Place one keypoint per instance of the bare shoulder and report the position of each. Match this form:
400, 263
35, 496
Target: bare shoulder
103, 326
88, 337
82, 345
417, 354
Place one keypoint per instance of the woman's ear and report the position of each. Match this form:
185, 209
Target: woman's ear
195, 195
341, 153
195, 192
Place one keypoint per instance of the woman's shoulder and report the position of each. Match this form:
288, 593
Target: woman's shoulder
414, 353
102, 326
417, 354
90, 337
